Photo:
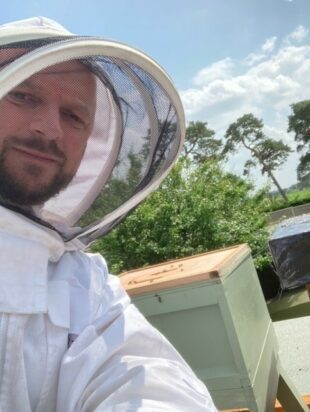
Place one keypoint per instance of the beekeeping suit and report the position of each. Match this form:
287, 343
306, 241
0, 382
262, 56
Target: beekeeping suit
69, 338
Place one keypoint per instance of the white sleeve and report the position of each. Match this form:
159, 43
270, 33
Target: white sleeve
120, 363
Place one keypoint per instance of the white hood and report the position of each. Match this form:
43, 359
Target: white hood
139, 124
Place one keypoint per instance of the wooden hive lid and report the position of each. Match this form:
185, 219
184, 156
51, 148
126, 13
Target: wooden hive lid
180, 272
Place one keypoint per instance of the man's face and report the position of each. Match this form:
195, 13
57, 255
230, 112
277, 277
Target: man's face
44, 126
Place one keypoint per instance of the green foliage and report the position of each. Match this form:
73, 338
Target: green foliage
295, 198
200, 144
194, 211
116, 191
299, 123
267, 153
303, 169
273, 153
246, 130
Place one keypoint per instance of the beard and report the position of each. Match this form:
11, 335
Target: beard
14, 190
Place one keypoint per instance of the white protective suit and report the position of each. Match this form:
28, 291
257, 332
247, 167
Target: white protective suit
70, 340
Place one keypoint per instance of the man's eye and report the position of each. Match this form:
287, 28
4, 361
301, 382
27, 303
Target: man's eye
74, 119
22, 97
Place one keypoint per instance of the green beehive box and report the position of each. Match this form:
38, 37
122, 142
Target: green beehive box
212, 310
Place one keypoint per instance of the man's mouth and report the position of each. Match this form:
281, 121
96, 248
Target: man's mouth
37, 155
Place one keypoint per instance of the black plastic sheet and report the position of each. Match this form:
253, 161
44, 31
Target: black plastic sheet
289, 245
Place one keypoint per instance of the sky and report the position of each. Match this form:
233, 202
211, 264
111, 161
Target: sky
226, 57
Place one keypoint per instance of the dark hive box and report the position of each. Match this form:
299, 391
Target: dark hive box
289, 246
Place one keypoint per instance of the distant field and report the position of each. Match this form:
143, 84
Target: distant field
295, 198
299, 195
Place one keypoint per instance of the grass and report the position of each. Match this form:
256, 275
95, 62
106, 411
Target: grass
302, 196
295, 198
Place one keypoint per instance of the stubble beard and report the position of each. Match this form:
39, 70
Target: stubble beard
14, 190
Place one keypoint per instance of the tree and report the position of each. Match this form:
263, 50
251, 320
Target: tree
200, 144
195, 210
116, 191
303, 170
268, 153
299, 123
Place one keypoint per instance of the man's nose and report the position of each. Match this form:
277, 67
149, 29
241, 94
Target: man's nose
47, 123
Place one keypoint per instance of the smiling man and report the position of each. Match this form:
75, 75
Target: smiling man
45, 123
77, 115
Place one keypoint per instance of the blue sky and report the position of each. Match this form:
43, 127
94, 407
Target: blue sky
226, 57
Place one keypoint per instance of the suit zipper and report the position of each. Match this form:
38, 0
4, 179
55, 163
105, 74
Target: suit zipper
3, 341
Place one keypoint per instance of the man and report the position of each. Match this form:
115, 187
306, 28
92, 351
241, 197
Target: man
45, 123
77, 117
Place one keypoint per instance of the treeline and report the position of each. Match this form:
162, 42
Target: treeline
266, 153
199, 206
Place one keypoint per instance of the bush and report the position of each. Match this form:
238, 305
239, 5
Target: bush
194, 211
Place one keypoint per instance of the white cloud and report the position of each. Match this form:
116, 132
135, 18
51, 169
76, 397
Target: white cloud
266, 48
276, 82
266, 89
218, 70
269, 44
254, 58
298, 35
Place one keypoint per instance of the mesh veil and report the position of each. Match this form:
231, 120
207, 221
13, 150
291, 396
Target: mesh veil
137, 133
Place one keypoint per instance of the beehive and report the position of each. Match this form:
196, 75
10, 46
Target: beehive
212, 309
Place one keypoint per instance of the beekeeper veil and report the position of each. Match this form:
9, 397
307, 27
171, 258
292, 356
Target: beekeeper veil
137, 131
